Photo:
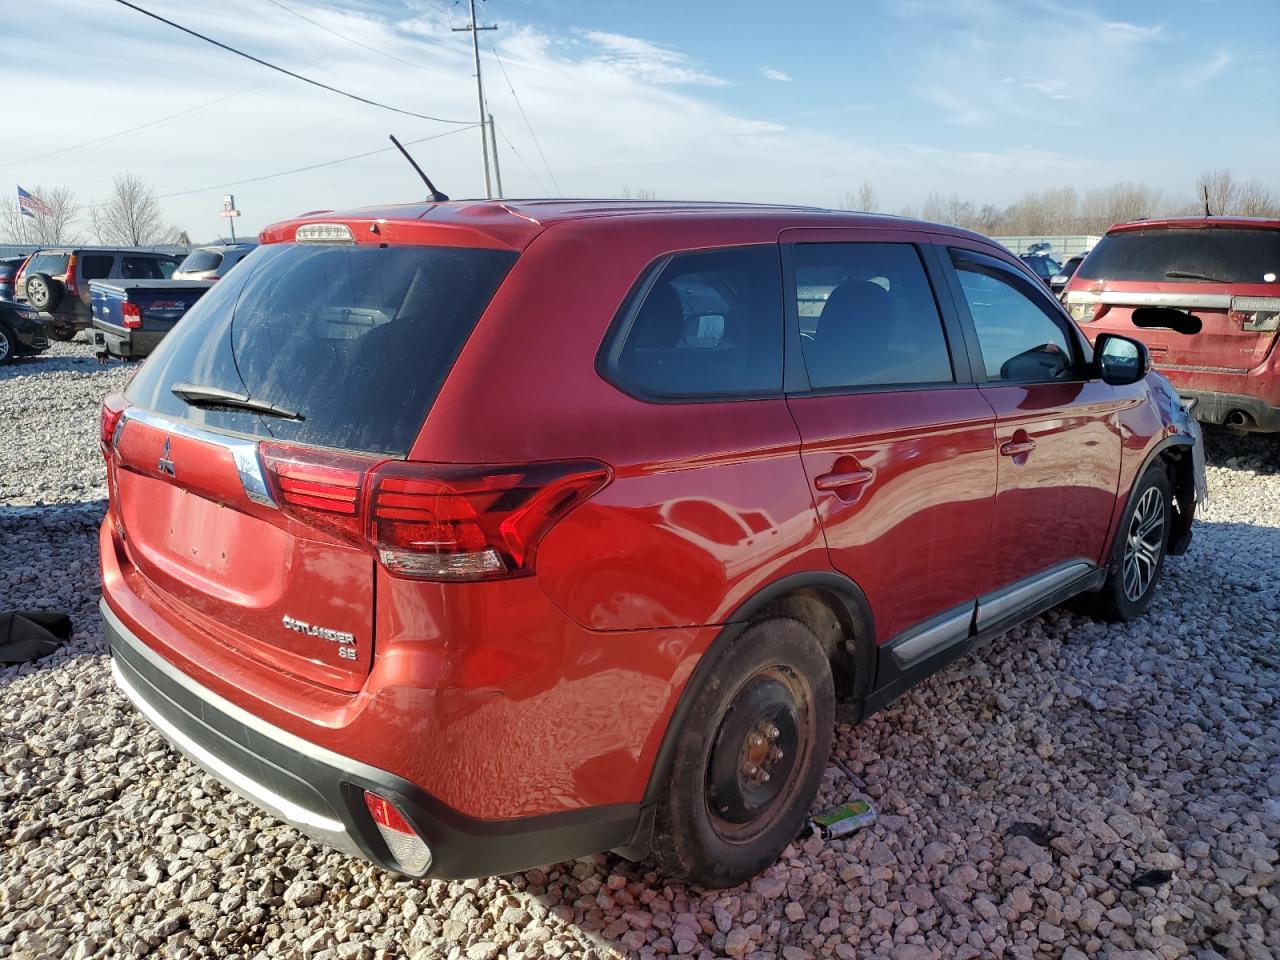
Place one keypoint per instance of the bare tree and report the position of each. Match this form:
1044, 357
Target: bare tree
1253, 199
1216, 189
131, 215
867, 199
56, 226
1120, 203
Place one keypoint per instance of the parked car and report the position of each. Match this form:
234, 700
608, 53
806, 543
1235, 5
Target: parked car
9, 267
465, 569
1042, 265
21, 332
55, 282
1058, 282
1225, 272
131, 316
212, 262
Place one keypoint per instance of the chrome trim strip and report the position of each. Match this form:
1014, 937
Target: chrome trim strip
999, 604
1189, 301
252, 790
952, 629
243, 452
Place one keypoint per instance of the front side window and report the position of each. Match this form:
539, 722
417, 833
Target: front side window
709, 325
868, 316
1020, 338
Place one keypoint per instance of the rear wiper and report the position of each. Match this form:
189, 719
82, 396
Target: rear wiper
198, 395
1189, 275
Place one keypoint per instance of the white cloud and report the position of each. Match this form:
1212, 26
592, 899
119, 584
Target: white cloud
646, 61
1198, 76
769, 73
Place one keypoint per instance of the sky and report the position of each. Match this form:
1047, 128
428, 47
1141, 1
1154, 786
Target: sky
686, 99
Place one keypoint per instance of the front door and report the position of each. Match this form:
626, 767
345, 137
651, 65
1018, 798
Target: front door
1057, 437
896, 439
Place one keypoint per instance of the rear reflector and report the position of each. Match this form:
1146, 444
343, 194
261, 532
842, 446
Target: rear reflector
401, 839
132, 314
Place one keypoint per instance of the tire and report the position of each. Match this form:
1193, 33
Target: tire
1132, 580
8, 344
43, 292
750, 756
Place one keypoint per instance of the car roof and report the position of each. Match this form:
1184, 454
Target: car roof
514, 223
1258, 223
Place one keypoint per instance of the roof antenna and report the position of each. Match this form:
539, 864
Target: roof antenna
436, 195
1204, 186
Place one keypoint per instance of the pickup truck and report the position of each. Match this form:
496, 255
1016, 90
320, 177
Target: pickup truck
131, 316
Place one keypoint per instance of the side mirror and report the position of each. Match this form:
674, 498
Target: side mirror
1120, 360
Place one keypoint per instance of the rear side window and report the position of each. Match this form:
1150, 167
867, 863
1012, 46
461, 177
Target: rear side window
868, 316
709, 324
1020, 336
357, 340
96, 266
199, 261
1186, 255
142, 268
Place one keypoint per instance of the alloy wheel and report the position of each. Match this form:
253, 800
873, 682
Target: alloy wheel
6, 347
1144, 544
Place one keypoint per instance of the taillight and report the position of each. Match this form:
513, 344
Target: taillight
1086, 311
17, 277
113, 408
1256, 314
409, 849
442, 522
431, 521
69, 284
132, 314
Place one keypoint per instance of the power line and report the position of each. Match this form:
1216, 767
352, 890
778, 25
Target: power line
286, 72
519, 156
313, 166
365, 46
525, 117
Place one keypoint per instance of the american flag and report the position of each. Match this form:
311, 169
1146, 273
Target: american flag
32, 205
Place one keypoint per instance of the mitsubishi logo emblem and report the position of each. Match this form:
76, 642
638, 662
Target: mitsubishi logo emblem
165, 465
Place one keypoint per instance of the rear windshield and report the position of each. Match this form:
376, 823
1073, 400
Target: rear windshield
54, 264
357, 340
200, 261
1187, 255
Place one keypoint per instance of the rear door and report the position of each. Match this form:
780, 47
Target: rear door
1057, 440
246, 526
896, 438
1218, 273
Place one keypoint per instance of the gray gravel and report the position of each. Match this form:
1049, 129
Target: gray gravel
1021, 792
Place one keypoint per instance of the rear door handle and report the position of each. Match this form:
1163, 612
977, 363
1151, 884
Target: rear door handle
1013, 448
843, 478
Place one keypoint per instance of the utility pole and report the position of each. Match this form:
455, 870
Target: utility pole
474, 30
497, 173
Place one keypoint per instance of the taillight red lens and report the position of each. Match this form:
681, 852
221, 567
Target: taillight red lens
69, 284
442, 522
112, 409
319, 487
132, 314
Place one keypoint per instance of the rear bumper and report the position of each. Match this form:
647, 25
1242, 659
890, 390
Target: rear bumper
1228, 408
127, 344
320, 792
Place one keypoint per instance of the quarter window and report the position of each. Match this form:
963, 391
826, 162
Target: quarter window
1020, 338
710, 325
867, 316
96, 266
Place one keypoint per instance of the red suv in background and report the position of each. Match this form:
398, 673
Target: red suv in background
468, 537
1224, 271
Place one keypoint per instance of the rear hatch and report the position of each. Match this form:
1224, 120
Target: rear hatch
237, 463
1225, 275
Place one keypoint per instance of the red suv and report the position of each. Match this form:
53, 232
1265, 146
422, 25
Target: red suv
468, 537
1224, 271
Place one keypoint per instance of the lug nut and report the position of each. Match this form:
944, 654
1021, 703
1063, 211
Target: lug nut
775, 754
764, 776
750, 770
757, 740
771, 732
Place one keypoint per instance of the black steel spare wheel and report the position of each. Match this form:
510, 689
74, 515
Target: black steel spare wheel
752, 736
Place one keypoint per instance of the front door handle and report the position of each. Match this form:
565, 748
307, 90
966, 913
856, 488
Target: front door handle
1019, 445
837, 479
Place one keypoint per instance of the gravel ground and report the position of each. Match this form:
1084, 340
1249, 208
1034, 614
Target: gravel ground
1023, 793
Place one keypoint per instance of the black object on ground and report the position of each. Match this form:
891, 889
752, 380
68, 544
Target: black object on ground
1032, 831
27, 635
1152, 878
